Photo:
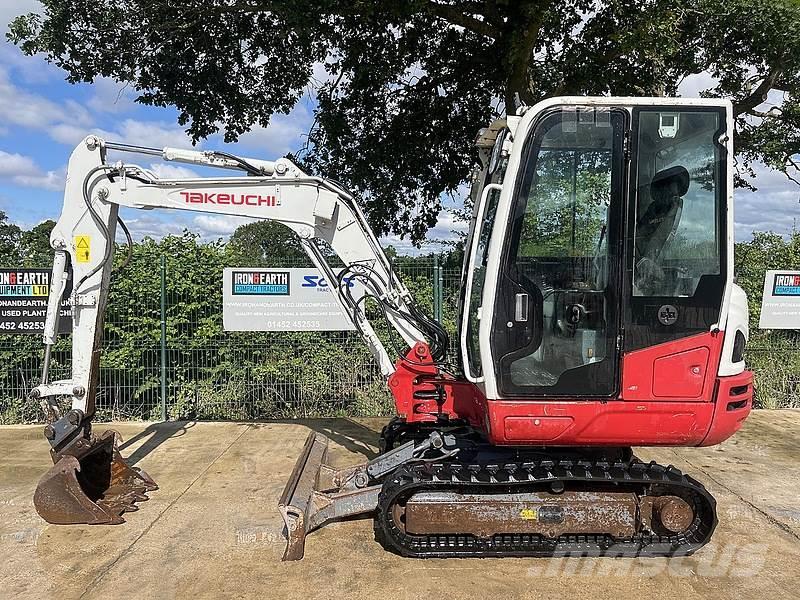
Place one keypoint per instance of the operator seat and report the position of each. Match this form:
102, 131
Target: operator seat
662, 216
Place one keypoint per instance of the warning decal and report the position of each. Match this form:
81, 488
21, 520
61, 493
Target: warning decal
83, 248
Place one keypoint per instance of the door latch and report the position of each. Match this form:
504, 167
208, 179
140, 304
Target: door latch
521, 308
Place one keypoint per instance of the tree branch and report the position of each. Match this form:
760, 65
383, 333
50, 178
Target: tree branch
793, 164
759, 95
455, 16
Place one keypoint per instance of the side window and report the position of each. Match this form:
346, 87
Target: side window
496, 174
478, 281
677, 233
568, 210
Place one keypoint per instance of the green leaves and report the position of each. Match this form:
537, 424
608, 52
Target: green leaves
407, 84
266, 243
10, 250
774, 356
25, 248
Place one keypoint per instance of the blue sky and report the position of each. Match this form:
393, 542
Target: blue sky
42, 118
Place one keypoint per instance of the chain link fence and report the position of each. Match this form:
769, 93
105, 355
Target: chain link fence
774, 356
196, 370
165, 354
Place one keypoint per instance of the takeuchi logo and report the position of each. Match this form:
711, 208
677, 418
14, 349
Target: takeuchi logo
230, 198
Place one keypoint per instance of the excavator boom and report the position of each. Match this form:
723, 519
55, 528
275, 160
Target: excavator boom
90, 482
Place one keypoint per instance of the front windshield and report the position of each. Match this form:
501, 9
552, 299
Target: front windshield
677, 232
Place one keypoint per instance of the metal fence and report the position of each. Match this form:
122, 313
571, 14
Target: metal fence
166, 355
774, 356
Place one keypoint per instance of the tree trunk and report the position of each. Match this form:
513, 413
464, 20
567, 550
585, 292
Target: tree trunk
518, 43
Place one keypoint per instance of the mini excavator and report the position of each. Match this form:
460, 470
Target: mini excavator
598, 312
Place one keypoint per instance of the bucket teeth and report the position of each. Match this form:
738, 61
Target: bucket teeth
92, 484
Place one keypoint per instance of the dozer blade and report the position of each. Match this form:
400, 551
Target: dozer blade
316, 493
296, 499
91, 484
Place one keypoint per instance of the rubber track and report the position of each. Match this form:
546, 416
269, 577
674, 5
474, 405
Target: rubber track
536, 476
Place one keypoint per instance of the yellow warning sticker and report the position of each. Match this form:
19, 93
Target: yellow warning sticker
83, 248
529, 514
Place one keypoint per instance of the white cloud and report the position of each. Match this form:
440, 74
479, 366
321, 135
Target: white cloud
51, 180
30, 69
69, 122
110, 96
774, 207
159, 224
319, 76
19, 107
155, 225
22, 170
10, 9
213, 226
152, 134
403, 246
692, 85
286, 133
68, 134
165, 171
15, 164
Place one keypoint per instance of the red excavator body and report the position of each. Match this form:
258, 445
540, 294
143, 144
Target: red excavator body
671, 396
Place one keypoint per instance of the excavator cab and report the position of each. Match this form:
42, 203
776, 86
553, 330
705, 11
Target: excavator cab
601, 230
598, 312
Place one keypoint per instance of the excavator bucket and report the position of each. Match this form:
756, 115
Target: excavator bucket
92, 484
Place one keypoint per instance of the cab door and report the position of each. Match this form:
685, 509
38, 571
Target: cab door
557, 307
477, 256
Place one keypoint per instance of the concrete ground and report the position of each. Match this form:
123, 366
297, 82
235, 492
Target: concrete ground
212, 530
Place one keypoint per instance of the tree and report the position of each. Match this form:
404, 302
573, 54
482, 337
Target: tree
9, 242
409, 82
267, 243
35, 244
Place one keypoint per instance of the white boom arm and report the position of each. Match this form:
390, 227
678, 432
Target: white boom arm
316, 209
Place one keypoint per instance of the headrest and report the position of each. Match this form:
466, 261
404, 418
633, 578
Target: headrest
663, 180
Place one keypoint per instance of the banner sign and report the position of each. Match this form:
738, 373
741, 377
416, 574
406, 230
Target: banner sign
281, 300
780, 304
23, 301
